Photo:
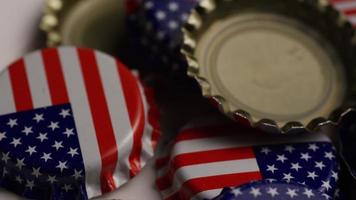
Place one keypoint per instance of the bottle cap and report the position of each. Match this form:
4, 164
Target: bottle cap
279, 64
155, 31
74, 124
202, 161
85, 23
267, 190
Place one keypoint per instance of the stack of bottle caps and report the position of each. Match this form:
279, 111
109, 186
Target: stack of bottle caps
76, 123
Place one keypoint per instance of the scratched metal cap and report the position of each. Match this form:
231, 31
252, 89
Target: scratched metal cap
85, 23
283, 66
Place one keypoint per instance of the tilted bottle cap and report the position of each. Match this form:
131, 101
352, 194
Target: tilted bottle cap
203, 160
281, 65
74, 124
85, 23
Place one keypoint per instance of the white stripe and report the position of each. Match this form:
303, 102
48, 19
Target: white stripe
241, 140
209, 169
6, 95
83, 119
352, 19
208, 194
345, 5
118, 114
37, 80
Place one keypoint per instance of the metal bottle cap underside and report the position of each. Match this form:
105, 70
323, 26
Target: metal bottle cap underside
271, 66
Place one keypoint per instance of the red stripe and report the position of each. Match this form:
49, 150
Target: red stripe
197, 185
153, 116
55, 77
136, 114
196, 158
100, 114
20, 86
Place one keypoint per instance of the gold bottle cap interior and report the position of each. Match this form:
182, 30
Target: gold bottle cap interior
271, 66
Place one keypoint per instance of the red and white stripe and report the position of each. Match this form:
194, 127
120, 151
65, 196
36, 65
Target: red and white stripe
108, 106
348, 7
202, 161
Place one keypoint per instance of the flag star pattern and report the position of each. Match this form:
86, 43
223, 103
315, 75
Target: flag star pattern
155, 27
74, 124
263, 190
202, 161
32, 183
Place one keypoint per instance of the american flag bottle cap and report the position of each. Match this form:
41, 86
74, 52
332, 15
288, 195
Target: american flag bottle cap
155, 29
276, 64
74, 124
201, 161
85, 23
270, 190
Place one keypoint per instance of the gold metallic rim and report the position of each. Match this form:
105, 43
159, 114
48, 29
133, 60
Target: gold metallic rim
197, 23
53, 12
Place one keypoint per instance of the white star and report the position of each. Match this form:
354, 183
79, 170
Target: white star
305, 156
271, 168
46, 156
27, 130
16, 142
272, 191
30, 184
329, 155
289, 148
5, 157
2, 135
77, 174
42, 137
69, 132
12, 122
160, 15
148, 5
57, 145
53, 126
255, 192
172, 24
337, 192
62, 165
291, 192
65, 113
173, 6
36, 172
67, 187
309, 193
20, 163
326, 196
271, 180
326, 185
335, 175
38, 118
31, 150
287, 177
281, 158
51, 179
73, 152
265, 150
295, 166
19, 179
319, 165
313, 147
236, 192
312, 175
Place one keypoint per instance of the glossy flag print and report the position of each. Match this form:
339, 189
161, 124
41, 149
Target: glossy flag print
202, 161
270, 190
74, 124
